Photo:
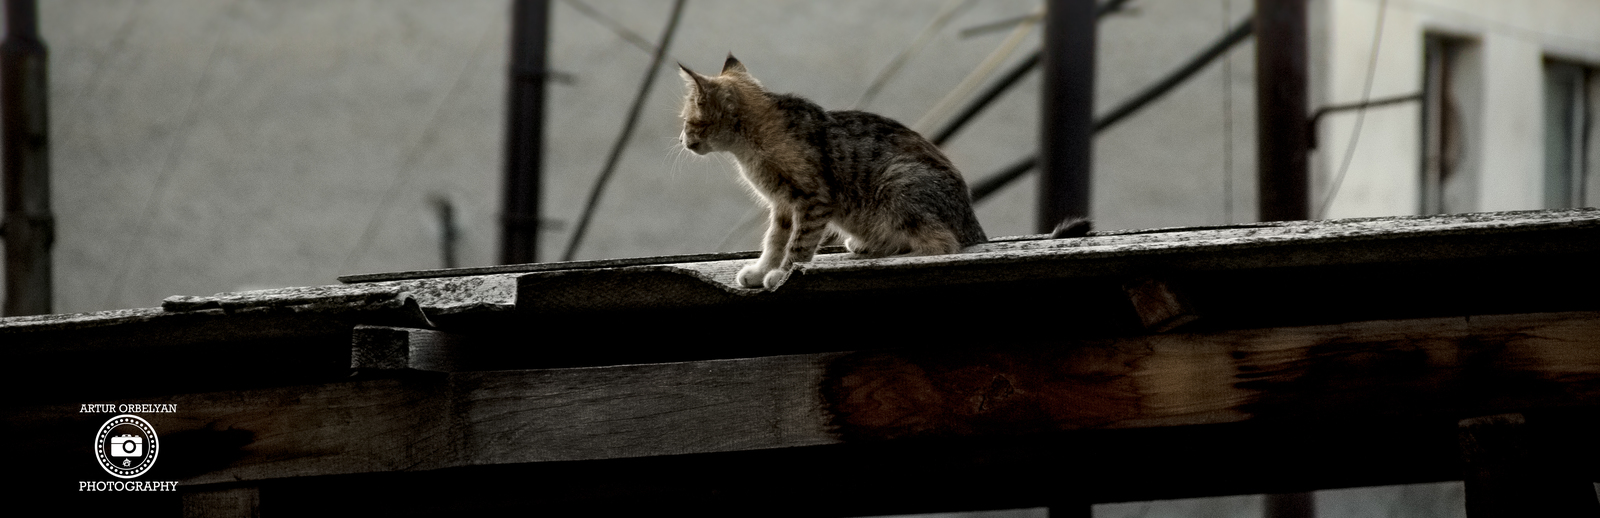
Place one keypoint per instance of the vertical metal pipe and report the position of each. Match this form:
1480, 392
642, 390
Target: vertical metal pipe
1282, 140
28, 227
530, 23
1067, 119
1281, 114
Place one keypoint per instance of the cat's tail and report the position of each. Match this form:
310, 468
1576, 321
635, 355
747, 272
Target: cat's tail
1071, 227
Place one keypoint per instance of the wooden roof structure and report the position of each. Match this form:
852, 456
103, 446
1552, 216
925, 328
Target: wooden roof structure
1126, 365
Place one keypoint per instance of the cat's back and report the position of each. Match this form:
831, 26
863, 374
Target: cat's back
893, 168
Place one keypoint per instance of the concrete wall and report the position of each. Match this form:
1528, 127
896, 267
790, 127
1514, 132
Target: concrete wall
206, 146
1508, 42
203, 146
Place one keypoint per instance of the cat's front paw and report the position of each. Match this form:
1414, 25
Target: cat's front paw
753, 276
775, 278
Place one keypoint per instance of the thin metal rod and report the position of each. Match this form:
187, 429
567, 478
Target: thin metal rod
1005, 82
1159, 89
627, 131
983, 188
987, 96
28, 226
995, 182
1317, 115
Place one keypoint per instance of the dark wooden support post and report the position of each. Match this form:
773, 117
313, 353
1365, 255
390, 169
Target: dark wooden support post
28, 227
1512, 468
530, 23
1281, 113
1067, 102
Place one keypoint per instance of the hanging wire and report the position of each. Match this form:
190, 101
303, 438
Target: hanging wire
407, 169
627, 131
942, 109
950, 9
1130, 106
1361, 113
169, 166
615, 26
1227, 122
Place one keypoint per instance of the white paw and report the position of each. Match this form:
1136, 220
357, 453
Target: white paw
752, 275
775, 278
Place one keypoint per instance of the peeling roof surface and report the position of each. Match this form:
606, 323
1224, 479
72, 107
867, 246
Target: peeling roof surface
707, 279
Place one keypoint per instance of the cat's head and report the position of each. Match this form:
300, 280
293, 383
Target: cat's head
712, 106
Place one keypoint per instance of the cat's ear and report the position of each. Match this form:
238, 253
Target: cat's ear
691, 78
733, 65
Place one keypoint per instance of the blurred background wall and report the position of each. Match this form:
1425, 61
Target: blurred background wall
204, 146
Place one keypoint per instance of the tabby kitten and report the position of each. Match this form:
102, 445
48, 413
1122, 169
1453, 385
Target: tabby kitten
880, 185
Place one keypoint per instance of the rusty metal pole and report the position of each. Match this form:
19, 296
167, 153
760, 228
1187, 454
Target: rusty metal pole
1067, 112
28, 227
524, 146
1281, 113
1282, 171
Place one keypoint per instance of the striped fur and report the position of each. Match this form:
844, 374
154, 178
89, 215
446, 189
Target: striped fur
880, 185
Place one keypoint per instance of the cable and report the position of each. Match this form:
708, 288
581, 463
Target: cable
988, 96
1242, 30
627, 131
403, 174
1227, 123
983, 188
942, 108
611, 23
1006, 80
948, 11
1155, 91
164, 176
1361, 113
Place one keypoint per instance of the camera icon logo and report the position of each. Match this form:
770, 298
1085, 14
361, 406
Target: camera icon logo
126, 446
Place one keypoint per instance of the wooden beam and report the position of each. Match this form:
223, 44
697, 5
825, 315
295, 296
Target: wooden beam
1365, 370
1160, 306
380, 348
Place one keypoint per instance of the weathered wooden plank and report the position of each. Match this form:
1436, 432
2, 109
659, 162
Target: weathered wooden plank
377, 348
1159, 305
644, 410
1364, 370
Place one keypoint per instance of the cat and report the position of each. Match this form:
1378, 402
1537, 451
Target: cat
881, 186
